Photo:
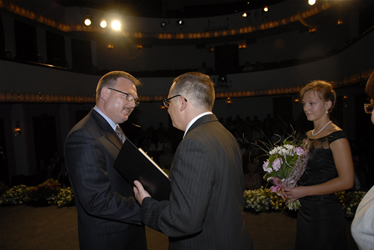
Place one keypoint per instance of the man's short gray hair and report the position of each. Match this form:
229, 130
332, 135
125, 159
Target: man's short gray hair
197, 87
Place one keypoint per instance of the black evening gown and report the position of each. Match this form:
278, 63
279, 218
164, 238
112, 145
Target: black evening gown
320, 219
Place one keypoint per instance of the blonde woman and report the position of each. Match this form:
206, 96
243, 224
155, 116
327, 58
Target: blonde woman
320, 220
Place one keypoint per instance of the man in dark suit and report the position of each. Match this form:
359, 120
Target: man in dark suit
205, 207
109, 216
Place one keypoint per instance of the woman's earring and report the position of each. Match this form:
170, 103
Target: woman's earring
327, 111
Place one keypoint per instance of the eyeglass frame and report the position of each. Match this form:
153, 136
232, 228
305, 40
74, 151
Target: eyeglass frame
368, 107
166, 102
128, 95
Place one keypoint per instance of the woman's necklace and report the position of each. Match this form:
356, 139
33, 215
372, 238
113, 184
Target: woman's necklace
314, 134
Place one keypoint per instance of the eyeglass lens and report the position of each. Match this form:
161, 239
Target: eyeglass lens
167, 101
129, 97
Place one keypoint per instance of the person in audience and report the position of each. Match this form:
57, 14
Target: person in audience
320, 220
205, 207
63, 177
166, 157
204, 69
362, 227
109, 216
248, 66
53, 168
258, 66
253, 178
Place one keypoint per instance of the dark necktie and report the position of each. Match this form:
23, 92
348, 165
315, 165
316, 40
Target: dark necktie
120, 134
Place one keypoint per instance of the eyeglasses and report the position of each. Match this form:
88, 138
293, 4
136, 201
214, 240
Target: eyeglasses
167, 101
368, 108
129, 97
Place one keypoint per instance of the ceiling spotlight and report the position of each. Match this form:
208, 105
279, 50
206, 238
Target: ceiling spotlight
311, 2
103, 24
180, 22
244, 15
163, 24
116, 25
266, 9
87, 22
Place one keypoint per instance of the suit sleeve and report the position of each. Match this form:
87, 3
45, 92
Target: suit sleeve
192, 180
86, 160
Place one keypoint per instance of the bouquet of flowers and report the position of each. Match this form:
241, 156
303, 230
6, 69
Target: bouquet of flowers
285, 165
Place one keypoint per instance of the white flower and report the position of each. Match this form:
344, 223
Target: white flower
266, 167
275, 150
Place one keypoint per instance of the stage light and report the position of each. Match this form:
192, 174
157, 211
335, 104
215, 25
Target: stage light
222, 78
116, 25
180, 22
163, 24
87, 21
244, 15
17, 129
228, 101
266, 9
311, 2
103, 24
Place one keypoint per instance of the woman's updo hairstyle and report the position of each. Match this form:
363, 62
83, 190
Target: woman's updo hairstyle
323, 89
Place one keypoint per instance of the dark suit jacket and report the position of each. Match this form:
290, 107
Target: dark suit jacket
205, 210
108, 215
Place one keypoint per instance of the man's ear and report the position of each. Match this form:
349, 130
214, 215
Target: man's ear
183, 103
104, 93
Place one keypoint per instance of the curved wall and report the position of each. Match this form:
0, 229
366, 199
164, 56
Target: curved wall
347, 69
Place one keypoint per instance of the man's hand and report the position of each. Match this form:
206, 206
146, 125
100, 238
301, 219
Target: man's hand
140, 192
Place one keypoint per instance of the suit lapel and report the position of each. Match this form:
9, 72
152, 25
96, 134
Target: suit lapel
110, 133
113, 138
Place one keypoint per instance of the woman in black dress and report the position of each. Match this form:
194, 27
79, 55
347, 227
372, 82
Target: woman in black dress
320, 220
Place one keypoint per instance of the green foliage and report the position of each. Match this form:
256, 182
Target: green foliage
262, 200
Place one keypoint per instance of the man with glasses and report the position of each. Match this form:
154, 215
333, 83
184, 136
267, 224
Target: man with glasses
205, 207
362, 227
109, 216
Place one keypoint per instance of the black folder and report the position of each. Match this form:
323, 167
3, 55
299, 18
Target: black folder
135, 164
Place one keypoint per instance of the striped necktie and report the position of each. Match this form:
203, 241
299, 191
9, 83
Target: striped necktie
120, 134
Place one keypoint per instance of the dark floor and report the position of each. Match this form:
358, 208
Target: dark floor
25, 227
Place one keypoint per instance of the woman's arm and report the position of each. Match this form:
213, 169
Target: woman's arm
344, 165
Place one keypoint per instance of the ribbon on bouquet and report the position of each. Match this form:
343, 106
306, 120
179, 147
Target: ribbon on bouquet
278, 185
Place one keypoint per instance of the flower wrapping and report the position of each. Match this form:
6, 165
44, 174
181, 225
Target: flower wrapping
285, 165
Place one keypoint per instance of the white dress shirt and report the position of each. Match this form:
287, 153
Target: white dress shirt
363, 224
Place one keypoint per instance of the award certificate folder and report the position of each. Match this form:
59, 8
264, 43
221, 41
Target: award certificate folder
135, 164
